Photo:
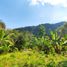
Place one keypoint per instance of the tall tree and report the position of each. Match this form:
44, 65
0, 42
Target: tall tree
41, 30
2, 25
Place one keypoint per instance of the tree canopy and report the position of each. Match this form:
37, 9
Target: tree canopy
2, 25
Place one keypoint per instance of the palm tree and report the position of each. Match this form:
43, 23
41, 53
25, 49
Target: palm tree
2, 25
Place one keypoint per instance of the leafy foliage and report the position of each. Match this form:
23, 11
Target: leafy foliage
31, 58
42, 51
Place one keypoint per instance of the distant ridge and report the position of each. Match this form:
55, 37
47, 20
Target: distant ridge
34, 29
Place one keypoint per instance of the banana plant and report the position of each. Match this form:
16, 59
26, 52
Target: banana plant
55, 39
5, 41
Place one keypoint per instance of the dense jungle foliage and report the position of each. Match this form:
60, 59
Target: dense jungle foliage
23, 49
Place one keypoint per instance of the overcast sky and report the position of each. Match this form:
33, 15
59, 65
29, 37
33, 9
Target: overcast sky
21, 13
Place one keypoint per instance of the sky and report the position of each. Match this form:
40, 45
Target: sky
21, 13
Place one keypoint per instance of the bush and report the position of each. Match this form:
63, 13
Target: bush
31, 58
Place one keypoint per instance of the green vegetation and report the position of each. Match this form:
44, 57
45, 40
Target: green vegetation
24, 49
35, 29
2, 25
31, 58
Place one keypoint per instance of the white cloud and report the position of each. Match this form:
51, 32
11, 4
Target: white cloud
34, 2
51, 2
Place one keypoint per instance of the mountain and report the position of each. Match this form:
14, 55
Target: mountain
47, 26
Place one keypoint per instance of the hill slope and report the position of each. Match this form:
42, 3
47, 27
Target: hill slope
34, 29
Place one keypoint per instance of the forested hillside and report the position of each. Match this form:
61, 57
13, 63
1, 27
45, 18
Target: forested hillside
47, 26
